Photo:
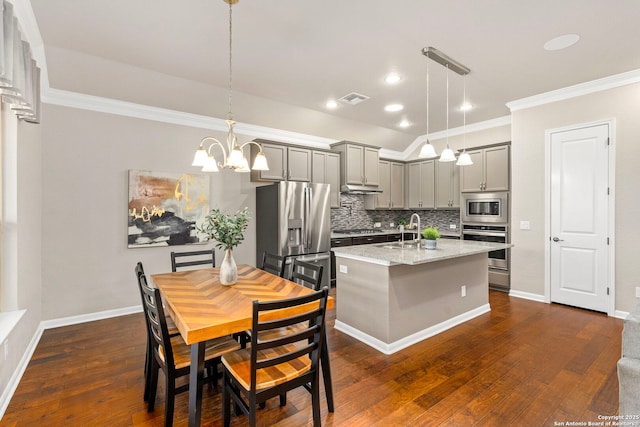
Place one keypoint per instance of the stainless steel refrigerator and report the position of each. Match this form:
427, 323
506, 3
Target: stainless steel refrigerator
293, 220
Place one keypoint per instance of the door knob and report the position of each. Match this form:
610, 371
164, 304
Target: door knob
555, 239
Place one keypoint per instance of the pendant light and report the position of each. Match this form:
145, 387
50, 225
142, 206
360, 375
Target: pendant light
447, 155
233, 156
427, 151
464, 159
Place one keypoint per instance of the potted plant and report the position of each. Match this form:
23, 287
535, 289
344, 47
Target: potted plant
228, 232
430, 234
402, 223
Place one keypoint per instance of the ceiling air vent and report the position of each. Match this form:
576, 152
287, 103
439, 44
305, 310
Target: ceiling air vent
353, 98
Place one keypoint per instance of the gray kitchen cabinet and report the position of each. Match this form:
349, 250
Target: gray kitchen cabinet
286, 163
325, 169
391, 177
447, 185
489, 172
359, 164
421, 185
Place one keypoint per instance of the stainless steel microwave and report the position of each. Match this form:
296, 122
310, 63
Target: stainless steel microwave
485, 207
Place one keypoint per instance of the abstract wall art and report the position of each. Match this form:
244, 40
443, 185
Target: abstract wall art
164, 208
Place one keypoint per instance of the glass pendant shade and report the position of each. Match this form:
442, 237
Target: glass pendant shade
210, 165
236, 158
464, 159
447, 155
200, 158
427, 151
260, 162
245, 166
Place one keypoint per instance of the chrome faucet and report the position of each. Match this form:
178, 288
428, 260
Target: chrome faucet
417, 240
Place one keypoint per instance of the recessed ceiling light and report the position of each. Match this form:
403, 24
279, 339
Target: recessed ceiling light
466, 106
392, 78
404, 123
393, 107
562, 42
331, 104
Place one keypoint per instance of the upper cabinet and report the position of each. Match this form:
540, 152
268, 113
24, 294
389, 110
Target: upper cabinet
421, 185
391, 177
447, 185
358, 164
489, 172
325, 169
286, 163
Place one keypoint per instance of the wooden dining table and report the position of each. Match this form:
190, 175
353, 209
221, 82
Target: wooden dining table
203, 309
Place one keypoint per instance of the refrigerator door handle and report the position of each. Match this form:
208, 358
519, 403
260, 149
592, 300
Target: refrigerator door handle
307, 217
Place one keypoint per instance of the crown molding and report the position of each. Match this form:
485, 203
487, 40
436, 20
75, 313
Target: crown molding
474, 127
580, 89
129, 109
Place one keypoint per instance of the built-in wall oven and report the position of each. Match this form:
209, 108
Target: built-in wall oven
490, 233
485, 218
499, 278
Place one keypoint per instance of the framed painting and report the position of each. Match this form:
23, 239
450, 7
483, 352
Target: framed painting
164, 208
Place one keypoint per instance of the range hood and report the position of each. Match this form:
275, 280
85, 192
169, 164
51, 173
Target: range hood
360, 189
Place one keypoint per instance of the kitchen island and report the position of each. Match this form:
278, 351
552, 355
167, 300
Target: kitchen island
392, 295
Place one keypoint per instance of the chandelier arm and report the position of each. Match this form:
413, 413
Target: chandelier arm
214, 143
254, 143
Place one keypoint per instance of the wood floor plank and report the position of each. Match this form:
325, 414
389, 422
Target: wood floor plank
525, 364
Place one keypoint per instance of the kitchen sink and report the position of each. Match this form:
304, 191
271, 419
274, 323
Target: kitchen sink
400, 245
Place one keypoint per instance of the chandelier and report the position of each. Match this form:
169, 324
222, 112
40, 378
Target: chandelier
233, 156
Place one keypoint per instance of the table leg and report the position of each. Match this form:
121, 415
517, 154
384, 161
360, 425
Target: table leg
196, 375
326, 374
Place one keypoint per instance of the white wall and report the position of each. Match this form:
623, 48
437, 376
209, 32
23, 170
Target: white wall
86, 265
621, 104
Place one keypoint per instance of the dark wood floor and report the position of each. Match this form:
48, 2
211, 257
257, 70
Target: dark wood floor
524, 364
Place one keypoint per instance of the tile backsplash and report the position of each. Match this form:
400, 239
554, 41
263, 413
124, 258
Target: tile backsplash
351, 214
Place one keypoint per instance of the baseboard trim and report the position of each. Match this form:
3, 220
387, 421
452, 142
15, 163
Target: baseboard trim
527, 295
83, 318
12, 385
390, 348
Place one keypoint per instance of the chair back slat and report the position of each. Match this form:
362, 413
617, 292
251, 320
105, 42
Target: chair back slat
274, 264
306, 339
191, 258
306, 274
156, 320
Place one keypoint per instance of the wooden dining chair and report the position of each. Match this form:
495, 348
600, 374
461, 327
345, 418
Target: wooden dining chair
191, 258
273, 366
172, 355
272, 263
310, 275
306, 274
171, 327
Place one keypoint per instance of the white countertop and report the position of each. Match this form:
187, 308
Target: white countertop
386, 254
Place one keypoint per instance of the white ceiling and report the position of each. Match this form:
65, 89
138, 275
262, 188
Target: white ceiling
302, 53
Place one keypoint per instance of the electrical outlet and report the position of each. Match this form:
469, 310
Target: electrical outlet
637, 291
453, 226
463, 290
344, 269
525, 225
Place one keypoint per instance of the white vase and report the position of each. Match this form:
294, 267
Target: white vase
228, 269
429, 244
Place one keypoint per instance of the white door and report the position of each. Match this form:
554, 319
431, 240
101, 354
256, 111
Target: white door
579, 217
